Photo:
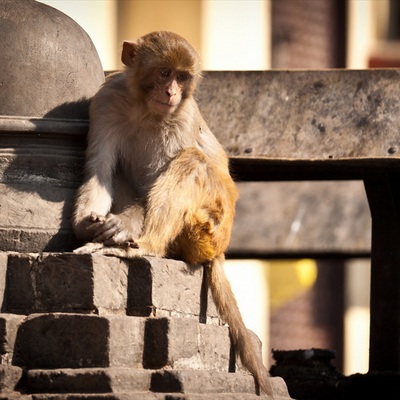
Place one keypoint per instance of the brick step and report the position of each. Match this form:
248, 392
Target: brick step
147, 382
63, 340
95, 284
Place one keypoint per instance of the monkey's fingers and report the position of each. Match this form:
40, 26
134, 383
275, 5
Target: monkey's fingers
94, 217
106, 230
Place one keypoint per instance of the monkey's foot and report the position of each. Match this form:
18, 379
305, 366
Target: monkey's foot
89, 248
126, 249
120, 251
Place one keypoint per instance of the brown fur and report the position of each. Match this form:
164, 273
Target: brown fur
157, 180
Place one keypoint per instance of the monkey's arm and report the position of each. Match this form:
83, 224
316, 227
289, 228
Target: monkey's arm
209, 144
103, 193
95, 196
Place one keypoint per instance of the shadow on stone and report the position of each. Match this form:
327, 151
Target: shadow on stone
40, 178
140, 287
62, 341
156, 343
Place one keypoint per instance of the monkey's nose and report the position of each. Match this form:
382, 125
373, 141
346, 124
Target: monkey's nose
171, 93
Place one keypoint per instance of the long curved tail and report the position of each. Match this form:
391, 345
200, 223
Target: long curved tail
228, 309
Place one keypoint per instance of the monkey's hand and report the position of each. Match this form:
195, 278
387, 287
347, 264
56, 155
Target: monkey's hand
110, 231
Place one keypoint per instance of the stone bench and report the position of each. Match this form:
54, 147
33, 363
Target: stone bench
317, 126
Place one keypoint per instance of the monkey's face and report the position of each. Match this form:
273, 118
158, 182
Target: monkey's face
168, 89
163, 70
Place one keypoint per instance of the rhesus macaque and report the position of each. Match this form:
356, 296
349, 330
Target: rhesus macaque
157, 181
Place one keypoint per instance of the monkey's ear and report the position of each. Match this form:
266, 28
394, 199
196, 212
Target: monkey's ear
128, 52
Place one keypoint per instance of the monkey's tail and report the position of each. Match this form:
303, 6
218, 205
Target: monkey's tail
228, 309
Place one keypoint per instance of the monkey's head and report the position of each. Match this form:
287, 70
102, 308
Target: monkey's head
162, 69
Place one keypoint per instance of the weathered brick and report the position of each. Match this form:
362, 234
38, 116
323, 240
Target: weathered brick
184, 343
3, 273
83, 283
79, 341
9, 377
209, 382
9, 324
65, 283
165, 287
88, 380
214, 347
202, 382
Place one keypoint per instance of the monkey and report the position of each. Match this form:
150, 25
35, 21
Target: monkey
157, 181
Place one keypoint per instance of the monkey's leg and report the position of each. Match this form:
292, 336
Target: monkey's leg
180, 193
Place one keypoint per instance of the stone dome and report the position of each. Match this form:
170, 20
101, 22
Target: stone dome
49, 67
49, 70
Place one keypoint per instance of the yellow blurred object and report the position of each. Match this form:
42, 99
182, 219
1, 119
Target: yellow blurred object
287, 279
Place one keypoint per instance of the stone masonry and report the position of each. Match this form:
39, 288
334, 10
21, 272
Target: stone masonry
95, 327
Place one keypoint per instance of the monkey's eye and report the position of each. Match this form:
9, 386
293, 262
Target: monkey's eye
182, 76
165, 72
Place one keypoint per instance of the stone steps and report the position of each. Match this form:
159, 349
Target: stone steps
108, 380
88, 326
125, 380
133, 383
61, 340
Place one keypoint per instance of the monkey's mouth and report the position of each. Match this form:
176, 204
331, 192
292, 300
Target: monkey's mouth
165, 106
